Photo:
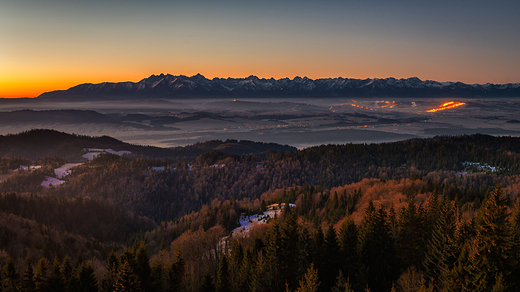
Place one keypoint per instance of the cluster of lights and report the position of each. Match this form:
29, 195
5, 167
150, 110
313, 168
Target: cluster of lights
386, 104
359, 106
390, 104
445, 106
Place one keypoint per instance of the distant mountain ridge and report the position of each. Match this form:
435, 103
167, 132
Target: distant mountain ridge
170, 86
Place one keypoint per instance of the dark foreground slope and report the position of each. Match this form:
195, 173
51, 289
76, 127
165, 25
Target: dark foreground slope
371, 211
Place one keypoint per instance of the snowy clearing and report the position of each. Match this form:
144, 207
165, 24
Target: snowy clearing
65, 169
95, 152
50, 181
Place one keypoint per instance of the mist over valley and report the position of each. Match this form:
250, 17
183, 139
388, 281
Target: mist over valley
300, 122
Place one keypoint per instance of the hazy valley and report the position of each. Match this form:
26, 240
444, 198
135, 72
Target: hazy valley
300, 122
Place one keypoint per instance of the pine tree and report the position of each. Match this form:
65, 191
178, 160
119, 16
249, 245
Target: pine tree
207, 284
258, 275
27, 284
128, 256
499, 285
318, 250
111, 272
305, 252
458, 278
442, 249
342, 284
410, 237
493, 251
67, 275
156, 276
235, 261
288, 253
515, 281
271, 260
432, 213
223, 282
142, 267
56, 283
244, 275
87, 281
331, 253
126, 280
176, 273
376, 250
392, 221
10, 277
40, 276
348, 243
310, 281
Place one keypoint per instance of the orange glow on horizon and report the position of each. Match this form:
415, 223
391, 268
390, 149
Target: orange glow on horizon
445, 106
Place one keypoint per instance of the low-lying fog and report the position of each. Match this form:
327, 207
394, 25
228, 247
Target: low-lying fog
299, 122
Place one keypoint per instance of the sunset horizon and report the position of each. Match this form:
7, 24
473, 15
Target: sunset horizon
40, 88
59, 44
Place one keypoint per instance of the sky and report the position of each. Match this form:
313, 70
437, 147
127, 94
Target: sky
56, 44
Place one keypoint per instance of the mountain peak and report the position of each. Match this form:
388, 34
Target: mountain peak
171, 86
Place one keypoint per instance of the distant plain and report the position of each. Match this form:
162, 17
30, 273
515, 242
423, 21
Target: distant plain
300, 122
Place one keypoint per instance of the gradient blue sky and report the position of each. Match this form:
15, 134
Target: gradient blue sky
55, 44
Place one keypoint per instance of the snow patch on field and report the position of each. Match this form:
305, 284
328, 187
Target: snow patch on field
65, 169
247, 222
28, 168
50, 181
96, 152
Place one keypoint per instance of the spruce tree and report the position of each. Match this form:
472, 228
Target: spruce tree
207, 284
176, 273
348, 243
442, 249
9, 277
244, 274
515, 222
67, 275
27, 284
259, 275
235, 260
410, 237
87, 281
126, 280
223, 282
288, 255
128, 256
111, 271
142, 267
40, 276
432, 213
377, 252
493, 250
310, 281
499, 285
458, 278
331, 256
56, 283
342, 284
305, 252
271, 260
156, 276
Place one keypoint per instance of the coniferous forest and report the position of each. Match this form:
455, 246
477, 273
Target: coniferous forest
439, 214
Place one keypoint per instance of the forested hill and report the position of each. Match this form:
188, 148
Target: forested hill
36, 144
413, 215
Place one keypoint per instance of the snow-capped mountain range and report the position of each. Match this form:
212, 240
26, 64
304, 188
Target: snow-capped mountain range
170, 86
